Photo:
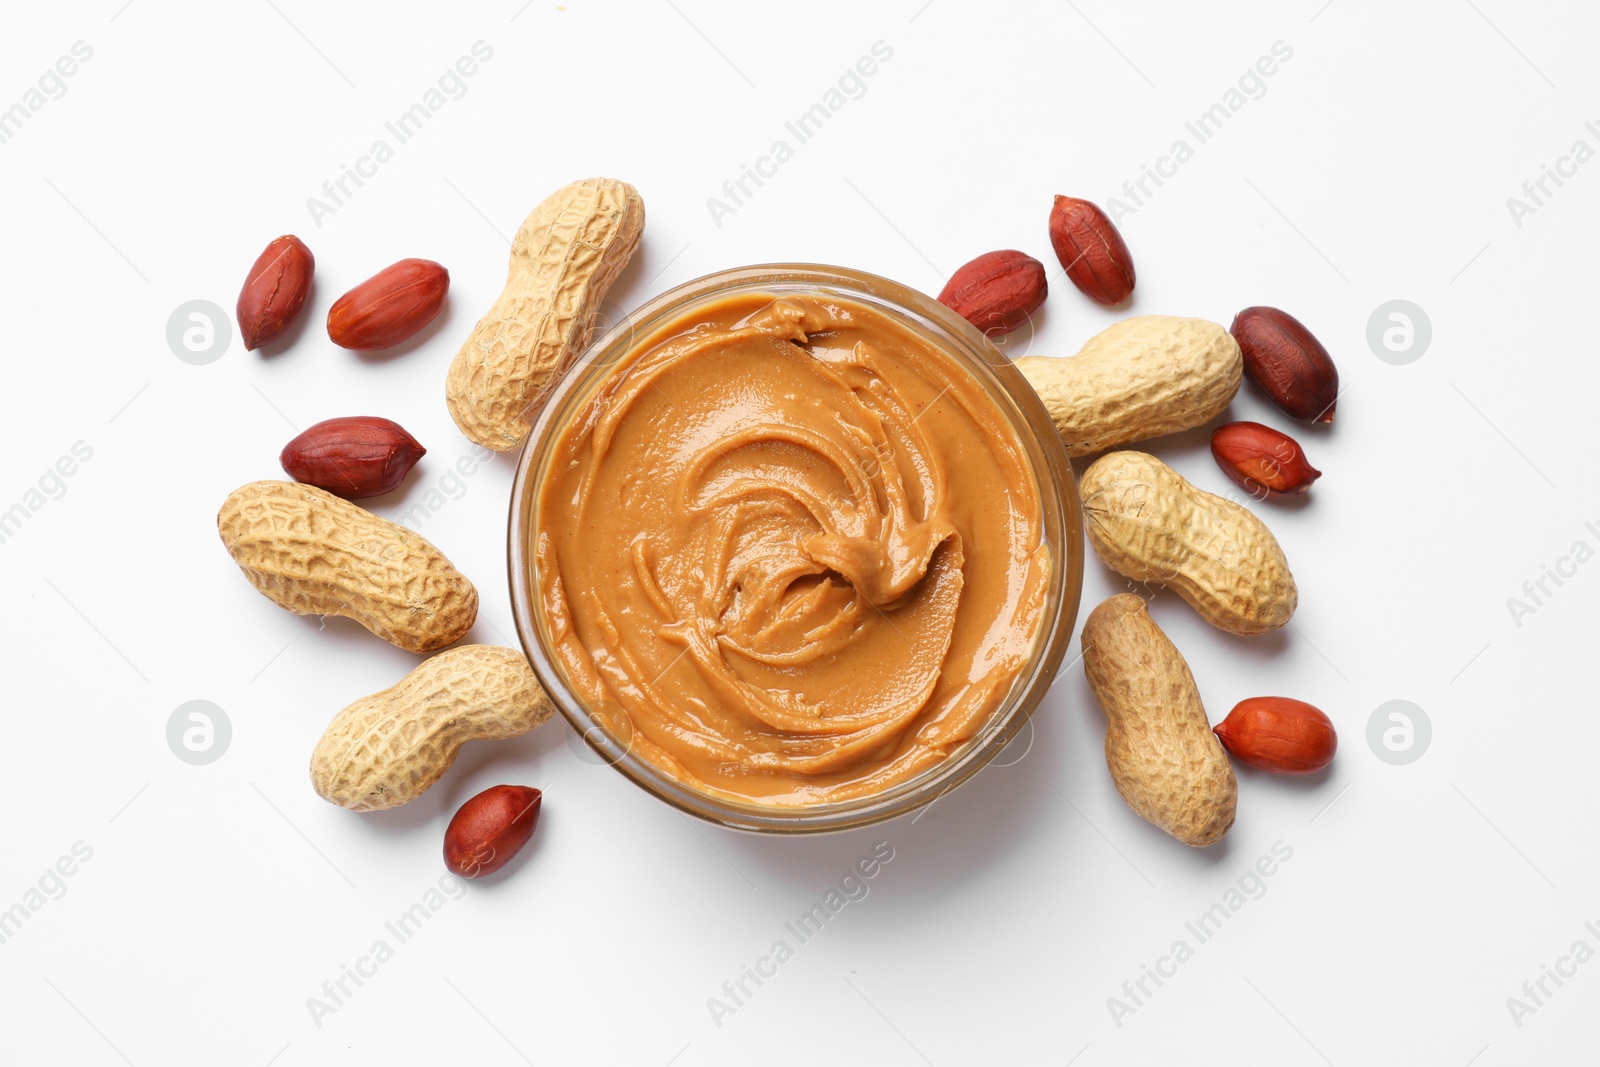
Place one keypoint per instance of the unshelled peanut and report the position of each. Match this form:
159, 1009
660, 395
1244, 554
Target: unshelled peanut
563, 261
315, 554
1148, 524
1163, 757
1140, 378
388, 748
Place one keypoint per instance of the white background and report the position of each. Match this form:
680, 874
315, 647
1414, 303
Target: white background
1377, 166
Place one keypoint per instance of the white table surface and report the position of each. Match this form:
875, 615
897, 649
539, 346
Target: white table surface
1375, 164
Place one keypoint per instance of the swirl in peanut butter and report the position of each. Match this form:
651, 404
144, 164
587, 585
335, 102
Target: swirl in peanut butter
790, 551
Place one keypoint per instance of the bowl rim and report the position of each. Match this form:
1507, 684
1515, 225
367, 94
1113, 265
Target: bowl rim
1061, 517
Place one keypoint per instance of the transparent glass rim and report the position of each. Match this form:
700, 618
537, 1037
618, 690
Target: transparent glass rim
1062, 532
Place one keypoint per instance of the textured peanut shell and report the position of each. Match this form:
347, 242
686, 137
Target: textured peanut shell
386, 749
315, 554
1148, 524
563, 260
1140, 378
1164, 759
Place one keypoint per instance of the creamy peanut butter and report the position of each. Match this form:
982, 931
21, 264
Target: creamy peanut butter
790, 550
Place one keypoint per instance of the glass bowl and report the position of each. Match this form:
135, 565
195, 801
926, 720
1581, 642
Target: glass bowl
1060, 524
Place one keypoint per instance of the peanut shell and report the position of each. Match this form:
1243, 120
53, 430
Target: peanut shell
315, 554
1148, 524
1137, 379
386, 749
1163, 757
563, 261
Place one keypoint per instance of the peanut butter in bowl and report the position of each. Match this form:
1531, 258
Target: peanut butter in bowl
790, 550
